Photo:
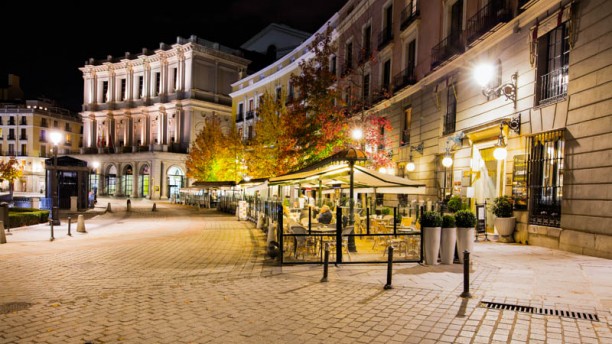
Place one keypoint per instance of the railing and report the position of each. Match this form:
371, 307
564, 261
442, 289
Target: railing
11, 122
553, 86
250, 114
488, 17
404, 78
448, 47
23, 121
240, 117
409, 14
11, 137
385, 37
23, 137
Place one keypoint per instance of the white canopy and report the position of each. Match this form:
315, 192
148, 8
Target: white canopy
338, 176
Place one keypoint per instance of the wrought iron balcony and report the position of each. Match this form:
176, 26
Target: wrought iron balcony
553, 86
385, 37
404, 78
486, 20
250, 114
448, 47
409, 14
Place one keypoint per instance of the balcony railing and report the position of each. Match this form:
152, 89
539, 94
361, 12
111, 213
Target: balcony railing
239, 117
23, 121
448, 47
553, 86
409, 14
385, 37
404, 78
23, 137
486, 20
250, 114
11, 137
11, 122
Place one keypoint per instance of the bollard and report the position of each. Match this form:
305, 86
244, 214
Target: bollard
51, 224
466, 274
389, 268
154, 207
2, 235
325, 263
81, 224
129, 205
69, 222
108, 208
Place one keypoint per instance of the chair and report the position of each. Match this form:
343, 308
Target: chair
345, 234
302, 242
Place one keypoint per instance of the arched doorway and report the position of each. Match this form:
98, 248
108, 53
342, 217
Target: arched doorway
144, 180
126, 180
176, 178
110, 181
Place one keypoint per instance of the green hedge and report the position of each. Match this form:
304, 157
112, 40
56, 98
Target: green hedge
19, 217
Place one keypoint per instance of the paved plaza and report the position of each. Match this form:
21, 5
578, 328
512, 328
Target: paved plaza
183, 275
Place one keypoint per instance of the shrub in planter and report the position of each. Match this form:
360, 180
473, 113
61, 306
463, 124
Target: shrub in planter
454, 204
505, 221
465, 219
502, 206
448, 221
430, 219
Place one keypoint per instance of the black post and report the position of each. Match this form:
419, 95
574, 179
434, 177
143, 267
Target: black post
51, 224
325, 263
466, 274
389, 268
69, 222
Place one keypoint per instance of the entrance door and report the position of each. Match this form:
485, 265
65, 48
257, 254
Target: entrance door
487, 179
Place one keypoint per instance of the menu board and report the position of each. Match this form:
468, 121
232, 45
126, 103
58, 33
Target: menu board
519, 182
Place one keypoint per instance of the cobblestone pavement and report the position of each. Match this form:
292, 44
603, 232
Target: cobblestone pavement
182, 275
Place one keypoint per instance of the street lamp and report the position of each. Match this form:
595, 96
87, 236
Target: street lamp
56, 137
484, 74
500, 152
410, 167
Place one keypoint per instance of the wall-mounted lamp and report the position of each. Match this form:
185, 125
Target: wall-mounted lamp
448, 160
411, 166
484, 74
514, 124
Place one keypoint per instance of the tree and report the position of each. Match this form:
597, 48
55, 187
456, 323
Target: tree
215, 155
9, 171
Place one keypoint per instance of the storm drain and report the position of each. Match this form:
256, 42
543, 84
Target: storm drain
11, 307
539, 310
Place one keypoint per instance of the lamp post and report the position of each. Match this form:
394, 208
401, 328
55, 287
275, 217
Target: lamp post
446, 162
55, 139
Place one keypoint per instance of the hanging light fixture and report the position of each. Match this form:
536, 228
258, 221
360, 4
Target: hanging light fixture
500, 152
448, 160
411, 166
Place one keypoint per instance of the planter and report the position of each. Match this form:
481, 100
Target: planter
447, 245
465, 241
431, 243
505, 228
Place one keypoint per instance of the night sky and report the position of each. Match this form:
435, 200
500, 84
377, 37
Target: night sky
48, 60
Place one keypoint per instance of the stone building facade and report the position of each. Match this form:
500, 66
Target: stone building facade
141, 113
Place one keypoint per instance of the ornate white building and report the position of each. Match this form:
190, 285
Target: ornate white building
141, 113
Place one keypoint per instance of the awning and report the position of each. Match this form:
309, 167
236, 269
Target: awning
338, 176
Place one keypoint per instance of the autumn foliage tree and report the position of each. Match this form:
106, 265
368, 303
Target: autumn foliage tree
9, 171
215, 155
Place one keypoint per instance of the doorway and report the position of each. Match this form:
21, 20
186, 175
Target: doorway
487, 179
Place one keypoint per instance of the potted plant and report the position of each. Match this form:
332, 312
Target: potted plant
504, 218
454, 204
466, 223
448, 239
431, 224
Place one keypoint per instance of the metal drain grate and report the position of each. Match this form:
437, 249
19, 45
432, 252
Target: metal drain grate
541, 311
11, 307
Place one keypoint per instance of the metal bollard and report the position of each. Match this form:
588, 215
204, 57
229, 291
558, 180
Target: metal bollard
389, 268
51, 224
466, 274
325, 263
69, 222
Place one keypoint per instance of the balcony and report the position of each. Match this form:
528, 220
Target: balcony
23, 137
409, 14
553, 86
385, 37
451, 46
11, 137
11, 122
250, 114
23, 121
487, 20
404, 78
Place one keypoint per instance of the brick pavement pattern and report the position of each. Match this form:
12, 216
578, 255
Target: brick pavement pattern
183, 275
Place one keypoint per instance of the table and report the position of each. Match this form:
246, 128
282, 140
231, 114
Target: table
322, 229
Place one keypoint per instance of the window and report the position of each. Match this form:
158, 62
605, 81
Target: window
278, 93
105, 95
123, 89
332, 64
348, 63
23, 121
11, 120
386, 77
1, 136
250, 132
157, 83
411, 58
23, 135
347, 96
451, 110
11, 134
55, 124
545, 180
381, 145
553, 65
43, 136
67, 127
291, 94
367, 43
175, 78
366, 87
140, 87
11, 149
24, 150
406, 127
